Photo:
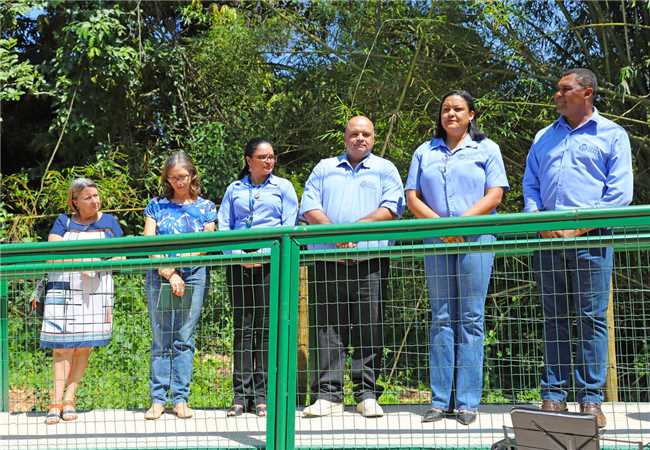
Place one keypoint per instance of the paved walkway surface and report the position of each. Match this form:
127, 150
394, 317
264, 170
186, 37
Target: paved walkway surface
400, 427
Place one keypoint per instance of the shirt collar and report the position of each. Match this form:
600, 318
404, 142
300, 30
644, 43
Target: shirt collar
270, 180
366, 162
596, 118
440, 143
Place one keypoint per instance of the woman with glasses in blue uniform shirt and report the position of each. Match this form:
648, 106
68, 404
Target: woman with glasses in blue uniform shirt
458, 173
257, 199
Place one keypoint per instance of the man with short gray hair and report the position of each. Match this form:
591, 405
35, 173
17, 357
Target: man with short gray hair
582, 160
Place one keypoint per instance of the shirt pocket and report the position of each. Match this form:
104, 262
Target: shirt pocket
588, 155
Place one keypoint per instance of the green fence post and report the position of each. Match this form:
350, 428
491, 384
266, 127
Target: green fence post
287, 267
274, 310
292, 344
4, 346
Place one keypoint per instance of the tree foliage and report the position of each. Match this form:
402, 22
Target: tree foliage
82, 80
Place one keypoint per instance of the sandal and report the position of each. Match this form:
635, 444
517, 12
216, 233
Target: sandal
53, 413
260, 410
155, 411
69, 412
235, 410
183, 411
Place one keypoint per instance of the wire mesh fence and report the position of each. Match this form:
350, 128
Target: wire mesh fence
429, 310
149, 354
277, 333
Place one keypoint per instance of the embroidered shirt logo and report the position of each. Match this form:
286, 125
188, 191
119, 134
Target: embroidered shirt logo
585, 148
366, 184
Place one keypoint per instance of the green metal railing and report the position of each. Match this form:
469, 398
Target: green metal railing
517, 236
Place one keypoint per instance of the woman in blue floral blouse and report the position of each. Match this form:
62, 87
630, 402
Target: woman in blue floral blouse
175, 294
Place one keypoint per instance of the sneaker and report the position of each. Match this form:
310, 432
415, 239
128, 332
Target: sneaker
322, 408
370, 408
433, 415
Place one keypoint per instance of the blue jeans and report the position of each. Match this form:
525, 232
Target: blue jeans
574, 286
173, 322
458, 285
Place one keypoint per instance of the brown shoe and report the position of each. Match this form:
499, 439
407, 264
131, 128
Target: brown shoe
552, 405
594, 410
155, 412
183, 411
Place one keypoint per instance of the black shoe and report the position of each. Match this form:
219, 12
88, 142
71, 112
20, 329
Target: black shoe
433, 415
235, 410
465, 417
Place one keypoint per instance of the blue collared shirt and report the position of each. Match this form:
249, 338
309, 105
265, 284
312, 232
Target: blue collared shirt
586, 167
346, 194
452, 182
271, 204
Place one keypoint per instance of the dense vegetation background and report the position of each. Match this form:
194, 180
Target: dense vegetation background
108, 89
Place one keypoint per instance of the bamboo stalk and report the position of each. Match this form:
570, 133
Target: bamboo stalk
611, 384
303, 337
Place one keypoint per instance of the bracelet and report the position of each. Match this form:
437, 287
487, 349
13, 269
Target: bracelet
167, 278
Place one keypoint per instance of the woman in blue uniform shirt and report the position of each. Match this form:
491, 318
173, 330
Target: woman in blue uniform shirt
458, 173
257, 199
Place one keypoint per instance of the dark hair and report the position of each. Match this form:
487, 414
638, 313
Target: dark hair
180, 158
585, 78
473, 130
250, 148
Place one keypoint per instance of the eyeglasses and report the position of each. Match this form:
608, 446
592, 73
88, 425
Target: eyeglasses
178, 179
265, 157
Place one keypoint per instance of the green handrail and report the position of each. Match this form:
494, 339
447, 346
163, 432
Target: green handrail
285, 256
632, 216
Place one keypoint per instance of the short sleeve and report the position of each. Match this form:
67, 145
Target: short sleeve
210, 212
60, 225
289, 204
413, 179
115, 226
226, 221
392, 196
312, 195
152, 209
495, 172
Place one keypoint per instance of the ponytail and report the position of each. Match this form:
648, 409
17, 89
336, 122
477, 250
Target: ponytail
249, 149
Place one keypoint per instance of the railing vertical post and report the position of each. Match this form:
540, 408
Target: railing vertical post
274, 314
292, 344
286, 351
4, 346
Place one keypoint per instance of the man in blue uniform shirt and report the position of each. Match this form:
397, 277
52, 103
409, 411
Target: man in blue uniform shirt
356, 186
582, 160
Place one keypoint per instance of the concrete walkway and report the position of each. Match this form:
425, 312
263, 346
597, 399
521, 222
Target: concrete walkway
399, 428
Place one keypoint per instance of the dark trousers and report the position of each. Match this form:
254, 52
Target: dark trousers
249, 295
348, 300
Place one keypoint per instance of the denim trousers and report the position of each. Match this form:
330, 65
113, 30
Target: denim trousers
249, 296
173, 323
458, 285
574, 287
348, 298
